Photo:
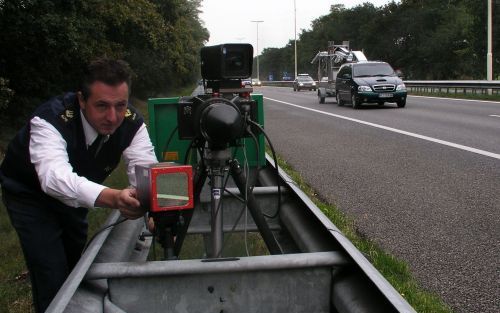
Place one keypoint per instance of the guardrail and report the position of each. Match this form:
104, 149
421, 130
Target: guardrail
279, 83
433, 86
457, 86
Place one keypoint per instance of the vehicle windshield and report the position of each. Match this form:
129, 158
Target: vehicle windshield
304, 78
373, 69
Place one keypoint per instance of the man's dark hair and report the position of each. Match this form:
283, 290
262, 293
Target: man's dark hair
109, 71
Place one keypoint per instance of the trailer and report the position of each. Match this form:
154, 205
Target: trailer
329, 63
299, 261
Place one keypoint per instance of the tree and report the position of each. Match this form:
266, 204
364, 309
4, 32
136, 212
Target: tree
426, 39
44, 45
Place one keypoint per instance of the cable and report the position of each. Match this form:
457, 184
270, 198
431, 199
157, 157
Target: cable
188, 151
234, 226
165, 149
276, 167
100, 231
234, 195
219, 206
247, 169
254, 181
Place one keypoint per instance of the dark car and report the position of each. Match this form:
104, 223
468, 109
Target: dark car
369, 82
304, 81
247, 82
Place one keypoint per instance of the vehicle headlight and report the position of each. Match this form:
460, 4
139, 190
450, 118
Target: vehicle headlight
364, 88
401, 87
301, 84
314, 83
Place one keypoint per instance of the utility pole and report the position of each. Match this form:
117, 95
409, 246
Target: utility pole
489, 54
257, 22
295, 31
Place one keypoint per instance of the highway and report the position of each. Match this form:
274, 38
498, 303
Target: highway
423, 181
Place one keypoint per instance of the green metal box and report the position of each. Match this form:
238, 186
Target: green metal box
163, 122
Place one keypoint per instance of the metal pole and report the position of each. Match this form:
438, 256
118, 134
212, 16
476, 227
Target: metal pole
295, 31
216, 221
257, 52
217, 164
489, 55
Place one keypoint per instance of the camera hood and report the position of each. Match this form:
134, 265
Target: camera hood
227, 61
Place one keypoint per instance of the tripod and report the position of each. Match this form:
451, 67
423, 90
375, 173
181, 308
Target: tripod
214, 164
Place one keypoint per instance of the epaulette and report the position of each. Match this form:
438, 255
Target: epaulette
129, 114
67, 115
69, 106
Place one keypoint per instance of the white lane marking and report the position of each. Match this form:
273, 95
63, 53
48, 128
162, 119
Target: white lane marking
403, 132
493, 115
455, 99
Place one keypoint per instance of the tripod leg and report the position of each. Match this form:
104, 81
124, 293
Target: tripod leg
240, 180
216, 220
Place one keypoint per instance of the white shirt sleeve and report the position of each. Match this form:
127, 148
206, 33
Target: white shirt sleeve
49, 156
140, 151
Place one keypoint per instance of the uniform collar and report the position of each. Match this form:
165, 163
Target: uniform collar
89, 131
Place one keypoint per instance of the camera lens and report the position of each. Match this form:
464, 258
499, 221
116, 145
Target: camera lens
221, 123
235, 61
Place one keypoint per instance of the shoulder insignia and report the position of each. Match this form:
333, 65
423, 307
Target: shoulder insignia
67, 115
130, 115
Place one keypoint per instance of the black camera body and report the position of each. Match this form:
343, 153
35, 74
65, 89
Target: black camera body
226, 62
219, 116
219, 121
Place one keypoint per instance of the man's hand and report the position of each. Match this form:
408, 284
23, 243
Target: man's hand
128, 204
123, 200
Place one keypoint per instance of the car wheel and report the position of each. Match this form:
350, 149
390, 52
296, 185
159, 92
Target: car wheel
401, 104
354, 101
339, 102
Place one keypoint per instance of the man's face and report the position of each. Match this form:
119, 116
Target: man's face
106, 106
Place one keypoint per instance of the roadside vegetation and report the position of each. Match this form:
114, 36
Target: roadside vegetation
424, 39
44, 46
395, 271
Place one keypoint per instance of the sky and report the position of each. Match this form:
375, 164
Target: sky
229, 21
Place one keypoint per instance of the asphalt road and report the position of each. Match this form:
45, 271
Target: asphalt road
423, 181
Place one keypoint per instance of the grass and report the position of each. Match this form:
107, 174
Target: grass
395, 271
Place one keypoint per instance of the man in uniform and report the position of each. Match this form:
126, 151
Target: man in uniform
54, 167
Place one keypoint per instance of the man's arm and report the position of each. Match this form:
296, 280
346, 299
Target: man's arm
49, 156
140, 151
